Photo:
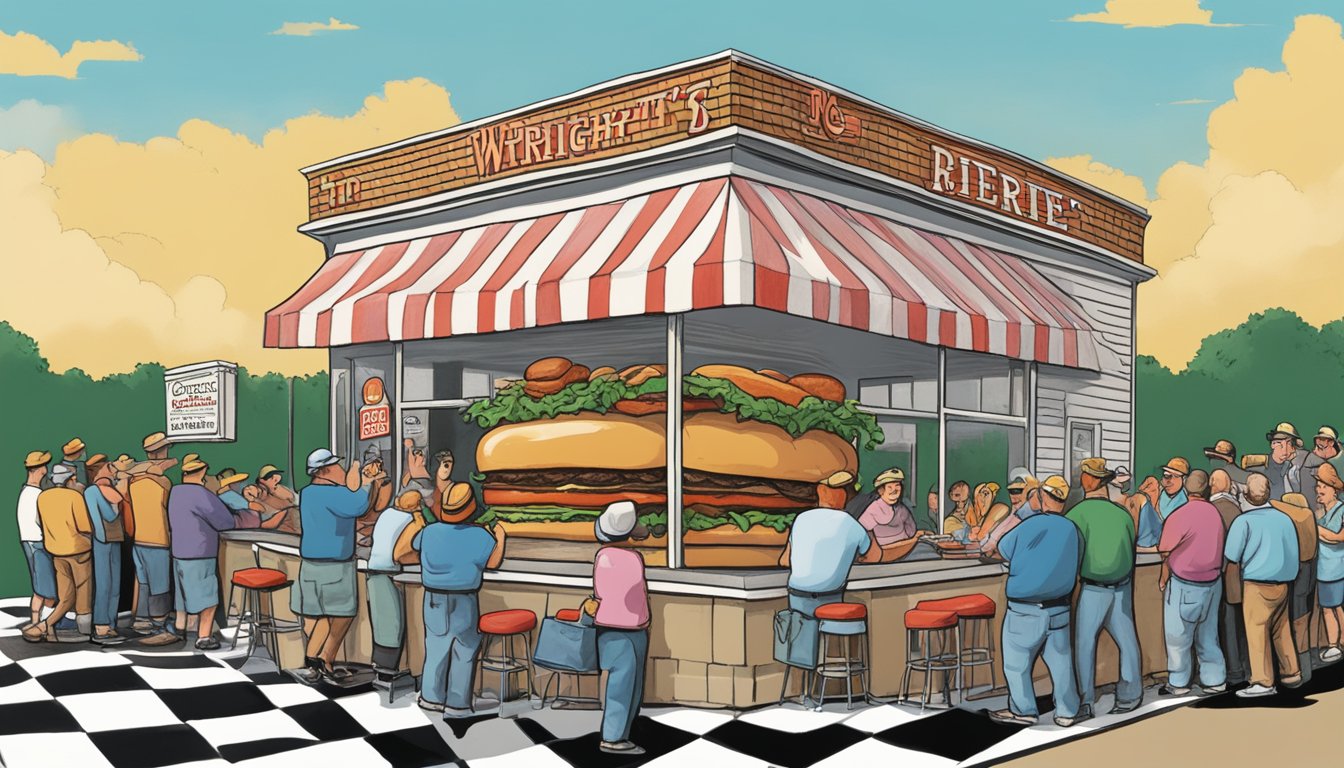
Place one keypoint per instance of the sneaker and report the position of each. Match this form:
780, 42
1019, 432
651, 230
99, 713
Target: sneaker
429, 706
336, 675
1256, 691
144, 625
1167, 690
305, 675
1067, 722
453, 713
111, 638
1293, 682
621, 748
1124, 708
166, 636
1212, 690
1009, 716
207, 644
1331, 655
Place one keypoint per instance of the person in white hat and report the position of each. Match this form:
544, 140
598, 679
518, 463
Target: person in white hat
325, 594
620, 609
1286, 458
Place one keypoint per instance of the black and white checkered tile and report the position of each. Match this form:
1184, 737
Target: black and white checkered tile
86, 707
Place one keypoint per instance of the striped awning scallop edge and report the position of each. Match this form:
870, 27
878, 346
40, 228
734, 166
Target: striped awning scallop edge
722, 242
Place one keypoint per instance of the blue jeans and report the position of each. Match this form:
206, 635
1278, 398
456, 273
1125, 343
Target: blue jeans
1112, 609
106, 582
41, 569
621, 653
452, 639
153, 572
808, 605
1190, 618
1030, 631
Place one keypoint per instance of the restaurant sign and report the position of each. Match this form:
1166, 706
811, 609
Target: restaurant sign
201, 402
522, 143
375, 417
957, 174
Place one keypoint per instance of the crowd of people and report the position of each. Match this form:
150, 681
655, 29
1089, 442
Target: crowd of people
1250, 550
77, 516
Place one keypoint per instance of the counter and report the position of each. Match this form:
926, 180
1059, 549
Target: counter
711, 639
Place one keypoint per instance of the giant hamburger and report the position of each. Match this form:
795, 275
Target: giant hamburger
568, 439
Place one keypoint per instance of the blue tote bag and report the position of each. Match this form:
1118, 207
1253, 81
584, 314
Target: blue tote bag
567, 646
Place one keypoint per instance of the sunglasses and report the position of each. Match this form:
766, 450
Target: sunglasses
1169, 475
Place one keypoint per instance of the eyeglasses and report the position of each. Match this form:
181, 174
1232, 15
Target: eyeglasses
1169, 475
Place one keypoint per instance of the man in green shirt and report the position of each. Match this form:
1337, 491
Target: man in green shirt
1106, 599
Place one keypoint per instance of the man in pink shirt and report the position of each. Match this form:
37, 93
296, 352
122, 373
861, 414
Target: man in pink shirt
886, 516
1192, 548
620, 610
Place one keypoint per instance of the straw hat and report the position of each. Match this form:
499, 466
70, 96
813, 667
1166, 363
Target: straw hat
1326, 473
72, 448
1096, 467
229, 476
1056, 487
893, 475
1223, 449
192, 463
1293, 504
409, 501
155, 441
1178, 465
124, 463
460, 504
97, 458
36, 459
1283, 430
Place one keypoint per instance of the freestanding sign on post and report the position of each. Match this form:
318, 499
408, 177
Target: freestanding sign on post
201, 402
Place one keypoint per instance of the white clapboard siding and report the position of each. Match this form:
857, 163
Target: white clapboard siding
1102, 397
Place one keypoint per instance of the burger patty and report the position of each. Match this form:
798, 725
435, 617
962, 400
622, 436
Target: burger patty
646, 480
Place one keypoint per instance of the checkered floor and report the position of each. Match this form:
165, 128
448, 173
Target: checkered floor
76, 705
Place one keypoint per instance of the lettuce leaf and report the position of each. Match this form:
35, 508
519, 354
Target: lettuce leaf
691, 520
511, 405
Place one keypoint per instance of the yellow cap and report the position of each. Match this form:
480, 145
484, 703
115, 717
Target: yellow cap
1055, 486
192, 464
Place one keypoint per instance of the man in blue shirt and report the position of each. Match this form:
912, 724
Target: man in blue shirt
823, 544
1263, 541
325, 594
454, 555
1044, 553
103, 501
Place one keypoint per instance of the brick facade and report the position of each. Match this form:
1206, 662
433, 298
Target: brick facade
658, 110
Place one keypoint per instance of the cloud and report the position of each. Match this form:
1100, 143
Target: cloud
38, 127
1151, 13
1185, 102
1102, 176
29, 55
1256, 225
172, 250
310, 28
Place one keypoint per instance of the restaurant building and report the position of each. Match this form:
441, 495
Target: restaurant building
976, 304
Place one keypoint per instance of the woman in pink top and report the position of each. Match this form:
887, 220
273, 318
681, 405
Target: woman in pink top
620, 609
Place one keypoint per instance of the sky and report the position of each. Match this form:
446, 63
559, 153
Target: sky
213, 97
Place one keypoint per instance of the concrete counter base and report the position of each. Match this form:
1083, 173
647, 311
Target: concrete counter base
713, 649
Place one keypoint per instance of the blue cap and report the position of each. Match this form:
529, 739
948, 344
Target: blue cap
321, 458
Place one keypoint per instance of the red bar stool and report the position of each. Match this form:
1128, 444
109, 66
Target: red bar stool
933, 644
975, 614
258, 618
506, 628
845, 621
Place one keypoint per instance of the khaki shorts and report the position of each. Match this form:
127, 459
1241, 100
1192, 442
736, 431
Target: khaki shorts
325, 588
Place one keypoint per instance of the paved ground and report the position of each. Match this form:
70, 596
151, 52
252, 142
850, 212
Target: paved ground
76, 705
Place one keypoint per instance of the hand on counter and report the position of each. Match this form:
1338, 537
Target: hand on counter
590, 606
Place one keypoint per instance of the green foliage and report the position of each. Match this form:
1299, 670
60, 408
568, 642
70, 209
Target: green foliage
512, 405
113, 414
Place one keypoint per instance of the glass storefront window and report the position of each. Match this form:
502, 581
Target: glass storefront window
375, 408
426, 376
340, 407
980, 452
986, 383
912, 445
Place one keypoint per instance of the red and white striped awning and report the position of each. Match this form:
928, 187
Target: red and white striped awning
716, 243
